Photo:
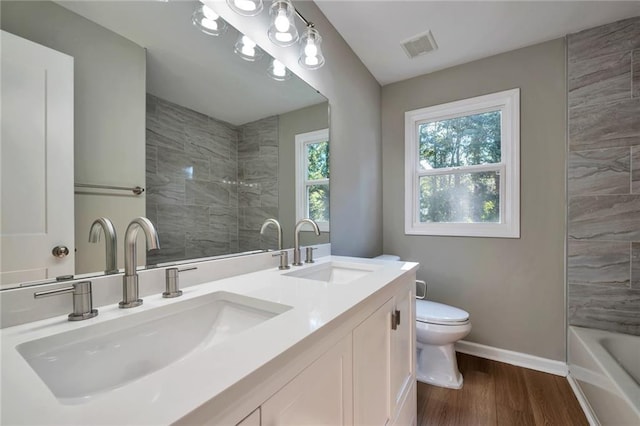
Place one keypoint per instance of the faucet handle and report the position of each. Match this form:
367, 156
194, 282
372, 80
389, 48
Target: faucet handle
309, 258
284, 259
82, 299
172, 281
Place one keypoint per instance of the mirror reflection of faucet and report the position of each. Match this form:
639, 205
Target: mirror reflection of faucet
275, 223
110, 241
296, 239
130, 297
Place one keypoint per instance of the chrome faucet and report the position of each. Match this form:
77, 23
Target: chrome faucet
82, 300
296, 238
275, 223
110, 240
130, 280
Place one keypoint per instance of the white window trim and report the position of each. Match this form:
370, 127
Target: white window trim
303, 139
508, 102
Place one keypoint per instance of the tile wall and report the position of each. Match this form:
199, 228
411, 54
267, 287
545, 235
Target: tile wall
603, 268
257, 183
200, 174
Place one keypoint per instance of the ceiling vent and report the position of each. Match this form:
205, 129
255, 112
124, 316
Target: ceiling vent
419, 45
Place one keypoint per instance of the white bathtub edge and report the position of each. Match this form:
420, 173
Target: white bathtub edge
614, 385
582, 400
558, 368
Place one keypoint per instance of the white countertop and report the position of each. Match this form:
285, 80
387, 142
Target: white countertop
170, 393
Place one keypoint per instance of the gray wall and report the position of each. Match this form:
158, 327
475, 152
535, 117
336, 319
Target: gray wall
604, 177
512, 288
109, 90
292, 123
354, 96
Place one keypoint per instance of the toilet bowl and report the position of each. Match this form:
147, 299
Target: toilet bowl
438, 327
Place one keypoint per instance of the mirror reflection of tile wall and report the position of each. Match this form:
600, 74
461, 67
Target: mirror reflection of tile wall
257, 183
210, 184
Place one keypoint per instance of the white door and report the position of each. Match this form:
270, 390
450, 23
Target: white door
36, 157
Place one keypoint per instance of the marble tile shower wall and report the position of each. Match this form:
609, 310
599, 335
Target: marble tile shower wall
210, 185
257, 183
603, 264
192, 195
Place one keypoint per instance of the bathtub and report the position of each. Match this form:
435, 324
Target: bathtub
604, 369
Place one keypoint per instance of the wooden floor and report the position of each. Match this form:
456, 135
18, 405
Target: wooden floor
500, 394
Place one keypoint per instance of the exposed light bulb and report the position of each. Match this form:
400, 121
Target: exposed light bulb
310, 49
208, 21
311, 61
284, 37
209, 13
282, 29
245, 5
247, 49
248, 42
209, 24
281, 22
279, 70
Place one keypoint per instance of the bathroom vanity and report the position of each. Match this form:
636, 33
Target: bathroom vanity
324, 343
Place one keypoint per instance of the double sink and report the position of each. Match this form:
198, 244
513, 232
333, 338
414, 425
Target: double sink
79, 364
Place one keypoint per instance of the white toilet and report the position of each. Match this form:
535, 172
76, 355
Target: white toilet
438, 327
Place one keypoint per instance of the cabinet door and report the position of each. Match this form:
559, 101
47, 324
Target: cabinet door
371, 381
320, 395
403, 348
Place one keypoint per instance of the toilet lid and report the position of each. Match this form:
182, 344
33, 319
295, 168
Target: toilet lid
428, 311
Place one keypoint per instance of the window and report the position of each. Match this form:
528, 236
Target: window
312, 177
462, 162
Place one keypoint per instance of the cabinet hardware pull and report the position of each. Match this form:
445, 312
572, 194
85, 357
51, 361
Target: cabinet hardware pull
397, 317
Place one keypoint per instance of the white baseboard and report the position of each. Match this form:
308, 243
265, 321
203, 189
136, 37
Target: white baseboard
520, 359
582, 400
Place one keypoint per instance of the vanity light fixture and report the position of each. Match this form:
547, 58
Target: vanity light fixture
208, 21
247, 49
278, 71
311, 57
246, 7
282, 30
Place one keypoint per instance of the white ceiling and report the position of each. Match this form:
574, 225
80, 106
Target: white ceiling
464, 30
193, 69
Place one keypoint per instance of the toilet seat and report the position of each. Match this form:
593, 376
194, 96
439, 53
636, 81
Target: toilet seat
439, 313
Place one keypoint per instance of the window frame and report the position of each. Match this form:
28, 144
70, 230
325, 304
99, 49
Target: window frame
301, 141
508, 103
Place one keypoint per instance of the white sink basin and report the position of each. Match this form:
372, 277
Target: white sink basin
334, 272
80, 364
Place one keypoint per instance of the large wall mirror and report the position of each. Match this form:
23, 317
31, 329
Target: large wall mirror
157, 104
